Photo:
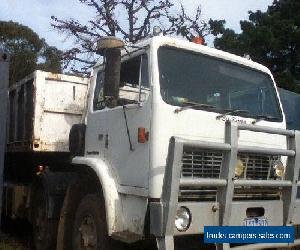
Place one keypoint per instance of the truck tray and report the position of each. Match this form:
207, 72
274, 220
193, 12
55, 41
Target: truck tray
42, 109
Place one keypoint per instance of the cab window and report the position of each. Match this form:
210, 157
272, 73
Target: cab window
134, 73
99, 103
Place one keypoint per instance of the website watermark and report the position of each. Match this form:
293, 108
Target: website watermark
249, 234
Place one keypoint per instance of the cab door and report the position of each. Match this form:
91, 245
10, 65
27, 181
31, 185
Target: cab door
129, 157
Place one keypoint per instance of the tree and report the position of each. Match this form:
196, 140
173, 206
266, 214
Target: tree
130, 20
52, 59
27, 50
271, 38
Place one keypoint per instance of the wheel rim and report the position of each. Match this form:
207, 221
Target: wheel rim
88, 233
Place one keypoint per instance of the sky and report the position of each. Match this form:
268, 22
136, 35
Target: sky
36, 13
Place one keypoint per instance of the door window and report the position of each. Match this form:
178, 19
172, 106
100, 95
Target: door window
134, 73
98, 95
134, 83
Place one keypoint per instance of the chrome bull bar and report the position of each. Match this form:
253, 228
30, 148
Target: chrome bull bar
163, 213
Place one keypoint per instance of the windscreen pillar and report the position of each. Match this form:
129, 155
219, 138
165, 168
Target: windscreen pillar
4, 72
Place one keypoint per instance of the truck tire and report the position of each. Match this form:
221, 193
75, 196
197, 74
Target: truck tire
77, 139
44, 229
90, 227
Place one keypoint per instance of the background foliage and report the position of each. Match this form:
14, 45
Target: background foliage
27, 50
271, 38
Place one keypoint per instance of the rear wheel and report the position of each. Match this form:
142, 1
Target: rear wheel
44, 229
90, 228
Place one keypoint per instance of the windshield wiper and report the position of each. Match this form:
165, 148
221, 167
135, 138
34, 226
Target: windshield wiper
194, 105
233, 112
264, 118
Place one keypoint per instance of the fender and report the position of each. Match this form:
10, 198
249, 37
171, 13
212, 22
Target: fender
110, 191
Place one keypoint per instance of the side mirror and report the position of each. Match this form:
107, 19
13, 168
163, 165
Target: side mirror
110, 49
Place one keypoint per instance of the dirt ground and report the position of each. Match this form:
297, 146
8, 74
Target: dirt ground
17, 235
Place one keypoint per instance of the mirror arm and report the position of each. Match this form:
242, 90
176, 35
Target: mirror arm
133, 106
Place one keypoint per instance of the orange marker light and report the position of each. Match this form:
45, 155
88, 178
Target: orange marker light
143, 136
41, 168
198, 40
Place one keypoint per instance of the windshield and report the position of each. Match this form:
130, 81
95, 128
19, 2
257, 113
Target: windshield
190, 78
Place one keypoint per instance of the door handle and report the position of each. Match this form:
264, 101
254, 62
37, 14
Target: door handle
106, 140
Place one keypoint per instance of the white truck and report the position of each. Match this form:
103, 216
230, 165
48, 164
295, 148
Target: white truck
173, 136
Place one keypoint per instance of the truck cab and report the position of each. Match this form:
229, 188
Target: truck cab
196, 137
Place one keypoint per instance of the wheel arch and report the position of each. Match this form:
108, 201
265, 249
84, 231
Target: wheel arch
107, 182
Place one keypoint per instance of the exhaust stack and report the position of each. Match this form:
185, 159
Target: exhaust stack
110, 49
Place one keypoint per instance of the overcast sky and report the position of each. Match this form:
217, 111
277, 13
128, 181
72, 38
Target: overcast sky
36, 13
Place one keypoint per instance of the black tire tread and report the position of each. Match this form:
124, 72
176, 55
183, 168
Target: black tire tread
94, 204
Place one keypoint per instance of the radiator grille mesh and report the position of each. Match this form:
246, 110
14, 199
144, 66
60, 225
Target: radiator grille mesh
208, 164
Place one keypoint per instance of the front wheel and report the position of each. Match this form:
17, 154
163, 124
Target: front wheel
90, 228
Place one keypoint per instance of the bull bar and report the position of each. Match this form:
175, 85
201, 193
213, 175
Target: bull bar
163, 213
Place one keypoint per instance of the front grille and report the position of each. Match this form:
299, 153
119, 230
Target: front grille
240, 193
201, 164
208, 164
258, 167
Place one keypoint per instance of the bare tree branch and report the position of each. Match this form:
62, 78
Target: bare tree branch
131, 20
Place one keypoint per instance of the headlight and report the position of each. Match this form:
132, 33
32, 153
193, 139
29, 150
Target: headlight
183, 219
239, 169
279, 169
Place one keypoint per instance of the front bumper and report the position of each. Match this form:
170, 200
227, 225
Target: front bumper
225, 211
208, 214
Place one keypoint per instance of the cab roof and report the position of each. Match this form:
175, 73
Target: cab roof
156, 41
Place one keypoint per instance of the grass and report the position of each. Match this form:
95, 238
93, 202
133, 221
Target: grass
5, 246
7, 243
